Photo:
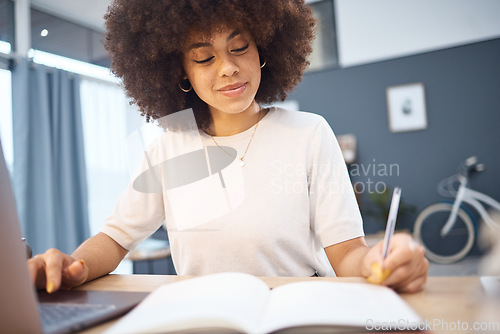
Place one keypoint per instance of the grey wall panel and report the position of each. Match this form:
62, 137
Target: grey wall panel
462, 87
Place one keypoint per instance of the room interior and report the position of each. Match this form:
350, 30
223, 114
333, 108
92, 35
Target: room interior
365, 54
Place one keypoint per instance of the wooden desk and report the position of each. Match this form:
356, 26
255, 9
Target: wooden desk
445, 301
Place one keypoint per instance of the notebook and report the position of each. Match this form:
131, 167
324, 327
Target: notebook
21, 307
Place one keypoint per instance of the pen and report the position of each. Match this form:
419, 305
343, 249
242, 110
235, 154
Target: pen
391, 220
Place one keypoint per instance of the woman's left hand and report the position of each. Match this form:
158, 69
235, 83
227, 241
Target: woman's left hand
405, 267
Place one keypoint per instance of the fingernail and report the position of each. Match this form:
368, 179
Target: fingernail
82, 262
51, 286
378, 274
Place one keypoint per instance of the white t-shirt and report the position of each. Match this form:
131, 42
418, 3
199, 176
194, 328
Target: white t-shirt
271, 217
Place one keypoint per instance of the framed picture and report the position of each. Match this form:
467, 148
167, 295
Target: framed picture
406, 107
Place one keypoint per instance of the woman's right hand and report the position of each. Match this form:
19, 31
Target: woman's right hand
54, 270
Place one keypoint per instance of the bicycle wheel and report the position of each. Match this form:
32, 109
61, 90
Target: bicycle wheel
455, 245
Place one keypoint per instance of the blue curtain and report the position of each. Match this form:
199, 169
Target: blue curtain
49, 164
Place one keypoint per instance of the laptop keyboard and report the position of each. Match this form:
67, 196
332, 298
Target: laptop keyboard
62, 317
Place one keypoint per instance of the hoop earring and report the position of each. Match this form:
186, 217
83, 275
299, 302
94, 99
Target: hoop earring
261, 66
184, 89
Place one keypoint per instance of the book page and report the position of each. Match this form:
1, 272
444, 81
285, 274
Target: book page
227, 300
334, 304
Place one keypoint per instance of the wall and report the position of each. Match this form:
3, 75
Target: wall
462, 86
377, 30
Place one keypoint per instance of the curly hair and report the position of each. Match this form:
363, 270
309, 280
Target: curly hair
146, 40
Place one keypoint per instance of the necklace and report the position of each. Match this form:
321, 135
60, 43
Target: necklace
242, 161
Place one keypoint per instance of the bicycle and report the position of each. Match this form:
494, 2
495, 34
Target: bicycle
452, 222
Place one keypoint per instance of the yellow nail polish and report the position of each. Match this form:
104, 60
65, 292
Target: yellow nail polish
378, 274
50, 287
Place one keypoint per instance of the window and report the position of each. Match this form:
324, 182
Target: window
60, 37
324, 53
104, 112
105, 108
6, 117
108, 120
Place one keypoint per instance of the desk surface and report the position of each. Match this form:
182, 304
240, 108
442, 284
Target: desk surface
445, 302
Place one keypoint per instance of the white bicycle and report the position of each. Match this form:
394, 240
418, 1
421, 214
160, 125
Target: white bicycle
452, 223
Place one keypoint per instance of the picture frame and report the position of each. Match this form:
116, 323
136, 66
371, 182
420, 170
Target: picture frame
406, 107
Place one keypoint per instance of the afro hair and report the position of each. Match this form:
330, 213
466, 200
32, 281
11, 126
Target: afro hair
145, 40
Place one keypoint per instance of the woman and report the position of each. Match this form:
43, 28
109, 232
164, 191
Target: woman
281, 203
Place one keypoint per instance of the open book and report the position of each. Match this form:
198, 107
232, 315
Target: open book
243, 303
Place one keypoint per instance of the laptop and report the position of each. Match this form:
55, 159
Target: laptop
22, 308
